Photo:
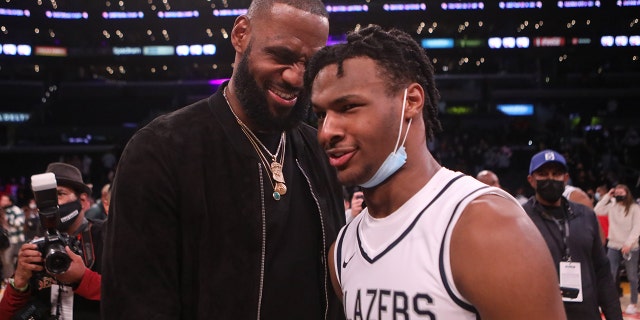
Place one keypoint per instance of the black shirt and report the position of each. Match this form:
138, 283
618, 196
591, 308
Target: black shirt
293, 244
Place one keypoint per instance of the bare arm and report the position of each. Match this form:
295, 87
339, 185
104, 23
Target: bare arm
501, 263
332, 272
581, 197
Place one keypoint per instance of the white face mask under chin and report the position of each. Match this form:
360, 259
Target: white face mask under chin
396, 159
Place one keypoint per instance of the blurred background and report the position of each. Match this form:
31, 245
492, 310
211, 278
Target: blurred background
79, 77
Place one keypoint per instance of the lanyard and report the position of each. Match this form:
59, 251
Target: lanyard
564, 231
563, 226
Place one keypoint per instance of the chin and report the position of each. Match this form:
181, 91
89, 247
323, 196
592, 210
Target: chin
279, 113
348, 180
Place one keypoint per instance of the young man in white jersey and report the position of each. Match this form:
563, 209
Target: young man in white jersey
432, 243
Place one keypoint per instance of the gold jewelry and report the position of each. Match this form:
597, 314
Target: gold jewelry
275, 167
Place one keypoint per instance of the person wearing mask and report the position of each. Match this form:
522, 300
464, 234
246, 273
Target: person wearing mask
624, 229
420, 248
34, 293
571, 232
225, 209
14, 225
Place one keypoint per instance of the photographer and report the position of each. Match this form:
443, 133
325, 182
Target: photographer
34, 293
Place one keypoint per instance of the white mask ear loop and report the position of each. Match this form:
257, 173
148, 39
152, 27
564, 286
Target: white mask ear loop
404, 103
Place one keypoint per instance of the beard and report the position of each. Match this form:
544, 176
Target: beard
254, 101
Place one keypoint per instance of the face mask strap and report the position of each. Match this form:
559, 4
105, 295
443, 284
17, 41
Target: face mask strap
404, 103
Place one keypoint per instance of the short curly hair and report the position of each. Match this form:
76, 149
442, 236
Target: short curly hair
315, 7
401, 59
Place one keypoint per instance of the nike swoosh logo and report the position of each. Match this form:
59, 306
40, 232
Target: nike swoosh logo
344, 263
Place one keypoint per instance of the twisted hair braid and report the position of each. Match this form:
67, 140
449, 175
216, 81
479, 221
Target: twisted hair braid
400, 59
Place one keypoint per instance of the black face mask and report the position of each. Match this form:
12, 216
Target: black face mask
69, 212
550, 190
620, 198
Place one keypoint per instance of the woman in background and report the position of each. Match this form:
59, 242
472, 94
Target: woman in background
624, 229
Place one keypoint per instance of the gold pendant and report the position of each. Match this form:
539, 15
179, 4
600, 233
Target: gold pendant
276, 171
280, 188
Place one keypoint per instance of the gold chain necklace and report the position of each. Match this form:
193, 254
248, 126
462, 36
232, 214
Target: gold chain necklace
275, 167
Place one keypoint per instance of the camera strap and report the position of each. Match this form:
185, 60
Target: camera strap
563, 226
86, 240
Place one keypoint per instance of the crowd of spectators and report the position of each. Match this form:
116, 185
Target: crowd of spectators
597, 156
604, 155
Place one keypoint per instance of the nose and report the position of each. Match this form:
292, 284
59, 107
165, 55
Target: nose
293, 75
329, 130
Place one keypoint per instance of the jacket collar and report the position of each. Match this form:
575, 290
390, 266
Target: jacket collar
227, 121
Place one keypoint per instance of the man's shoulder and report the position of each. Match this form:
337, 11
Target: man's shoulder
306, 135
95, 206
95, 212
580, 210
184, 124
96, 227
528, 204
306, 130
187, 115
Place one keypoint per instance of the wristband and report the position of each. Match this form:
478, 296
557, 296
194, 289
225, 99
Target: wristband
13, 285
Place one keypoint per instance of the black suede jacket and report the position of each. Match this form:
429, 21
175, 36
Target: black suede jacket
185, 233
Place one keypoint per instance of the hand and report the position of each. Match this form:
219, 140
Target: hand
29, 260
611, 192
356, 203
76, 269
625, 249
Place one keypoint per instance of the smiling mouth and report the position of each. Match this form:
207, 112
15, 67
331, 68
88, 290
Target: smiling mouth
339, 159
288, 96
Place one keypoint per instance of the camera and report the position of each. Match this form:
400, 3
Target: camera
52, 244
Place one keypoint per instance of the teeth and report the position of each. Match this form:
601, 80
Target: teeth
284, 95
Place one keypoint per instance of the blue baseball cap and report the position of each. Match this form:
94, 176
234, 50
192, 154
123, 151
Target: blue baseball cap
546, 156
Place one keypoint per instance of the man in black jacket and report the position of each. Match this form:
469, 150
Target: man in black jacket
572, 234
225, 209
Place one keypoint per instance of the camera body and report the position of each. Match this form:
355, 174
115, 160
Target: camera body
51, 245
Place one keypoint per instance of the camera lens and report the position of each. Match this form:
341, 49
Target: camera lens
56, 260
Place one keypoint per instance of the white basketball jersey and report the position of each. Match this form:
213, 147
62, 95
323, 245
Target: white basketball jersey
398, 267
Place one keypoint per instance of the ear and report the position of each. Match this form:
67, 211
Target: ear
532, 181
84, 201
415, 101
240, 34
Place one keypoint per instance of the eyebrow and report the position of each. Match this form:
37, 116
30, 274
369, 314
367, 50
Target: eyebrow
282, 52
336, 101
